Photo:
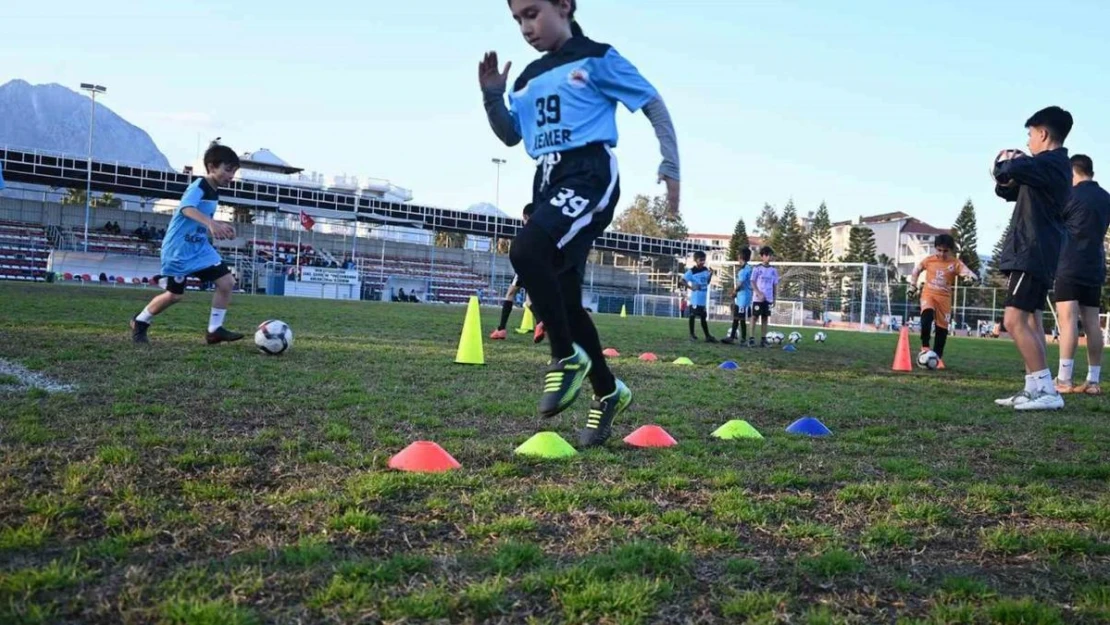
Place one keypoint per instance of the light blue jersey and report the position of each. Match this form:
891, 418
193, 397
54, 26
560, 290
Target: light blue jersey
744, 287
568, 98
698, 280
186, 249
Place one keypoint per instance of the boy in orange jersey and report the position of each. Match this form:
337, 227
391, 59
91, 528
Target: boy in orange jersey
941, 270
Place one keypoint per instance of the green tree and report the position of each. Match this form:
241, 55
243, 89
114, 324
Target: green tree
994, 274
738, 241
790, 245
104, 200
767, 222
819, 243
966, 233
861, 246
651, 217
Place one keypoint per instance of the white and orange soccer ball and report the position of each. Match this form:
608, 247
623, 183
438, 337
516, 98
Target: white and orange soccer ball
273, 337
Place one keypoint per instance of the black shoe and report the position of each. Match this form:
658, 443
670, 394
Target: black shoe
603, 410
222, 335
728, 340
693, 339
138, 331
563, 382
710, 339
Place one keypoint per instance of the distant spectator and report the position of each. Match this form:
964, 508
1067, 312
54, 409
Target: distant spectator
103, 277
401, 295
108, 227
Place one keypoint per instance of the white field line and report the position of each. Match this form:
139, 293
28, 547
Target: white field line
28, 379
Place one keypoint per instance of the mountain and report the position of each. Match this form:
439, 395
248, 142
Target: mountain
53, 118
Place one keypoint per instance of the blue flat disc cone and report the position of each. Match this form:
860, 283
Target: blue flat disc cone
808, 426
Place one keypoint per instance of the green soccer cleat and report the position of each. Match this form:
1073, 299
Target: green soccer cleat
563, 382
599, 425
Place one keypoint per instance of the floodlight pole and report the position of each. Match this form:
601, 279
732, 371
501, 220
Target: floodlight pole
93, 90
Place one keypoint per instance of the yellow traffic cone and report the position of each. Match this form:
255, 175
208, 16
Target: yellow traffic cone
624, 311
470, 343
528, 323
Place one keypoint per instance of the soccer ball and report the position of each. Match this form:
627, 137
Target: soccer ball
1002, 157
820, 337
775, 337
928, 360
795, 337
273, 337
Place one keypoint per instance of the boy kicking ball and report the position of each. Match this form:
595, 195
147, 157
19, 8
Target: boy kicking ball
187, 251
940, 271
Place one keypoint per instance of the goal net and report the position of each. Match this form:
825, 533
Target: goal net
846, 295
657, 306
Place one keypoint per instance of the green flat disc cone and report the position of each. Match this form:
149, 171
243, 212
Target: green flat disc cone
736, 429
546, 445
683, 361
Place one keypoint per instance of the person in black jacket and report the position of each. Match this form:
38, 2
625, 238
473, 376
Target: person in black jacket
1039, 185
1080, 276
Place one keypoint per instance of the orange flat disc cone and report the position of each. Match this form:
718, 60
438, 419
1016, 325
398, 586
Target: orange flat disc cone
611, 353
648, 357
423, 457
650, 436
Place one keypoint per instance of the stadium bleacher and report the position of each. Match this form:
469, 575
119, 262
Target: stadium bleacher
24, 250
107, 243
450, 282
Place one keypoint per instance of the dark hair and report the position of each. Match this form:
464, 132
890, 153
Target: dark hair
1055, 120
529, 208
699, 255
946, 240
1083, 164
746, 254
575, 29
217, 155
766, 251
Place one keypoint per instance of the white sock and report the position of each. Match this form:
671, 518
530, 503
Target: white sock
145, 317
1030, 383
1093, 373
1066, 369
1045, 384
216, 319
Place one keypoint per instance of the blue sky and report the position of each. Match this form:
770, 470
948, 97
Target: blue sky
870, 106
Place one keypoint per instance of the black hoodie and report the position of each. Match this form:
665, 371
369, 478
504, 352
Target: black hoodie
1037, 225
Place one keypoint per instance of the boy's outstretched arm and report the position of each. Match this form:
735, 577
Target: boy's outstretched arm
1027, 170
660, 118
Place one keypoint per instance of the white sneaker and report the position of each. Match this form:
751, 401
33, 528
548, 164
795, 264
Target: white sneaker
1042, 400
1011, 402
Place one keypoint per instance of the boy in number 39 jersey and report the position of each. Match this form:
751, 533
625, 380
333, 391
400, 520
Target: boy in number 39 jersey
563, 107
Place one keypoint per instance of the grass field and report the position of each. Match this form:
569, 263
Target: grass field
195, 485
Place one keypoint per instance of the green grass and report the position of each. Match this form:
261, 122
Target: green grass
194, 484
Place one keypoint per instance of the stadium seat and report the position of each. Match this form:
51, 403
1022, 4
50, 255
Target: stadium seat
86, 278
68, 276
120, 280
137, 281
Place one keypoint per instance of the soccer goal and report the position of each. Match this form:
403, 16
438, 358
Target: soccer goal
656, 306
828, 294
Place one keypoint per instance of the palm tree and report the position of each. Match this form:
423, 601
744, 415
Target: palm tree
887, 263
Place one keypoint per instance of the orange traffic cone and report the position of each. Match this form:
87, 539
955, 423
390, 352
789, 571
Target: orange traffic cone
902, 361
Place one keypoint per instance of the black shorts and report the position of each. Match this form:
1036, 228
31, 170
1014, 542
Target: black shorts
176, 285
741, 313
1025, 292
1088, 296
762, 310
697, 312
574, 194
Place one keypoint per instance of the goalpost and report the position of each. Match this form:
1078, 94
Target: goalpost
854, 295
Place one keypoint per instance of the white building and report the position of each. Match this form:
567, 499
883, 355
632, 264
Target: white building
903, 238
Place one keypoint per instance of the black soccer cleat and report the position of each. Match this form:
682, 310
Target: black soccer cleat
222, 335
710, 339
728, 340
599, 425
138, 331
563, 382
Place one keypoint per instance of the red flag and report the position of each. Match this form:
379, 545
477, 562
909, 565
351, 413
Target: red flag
307, 221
